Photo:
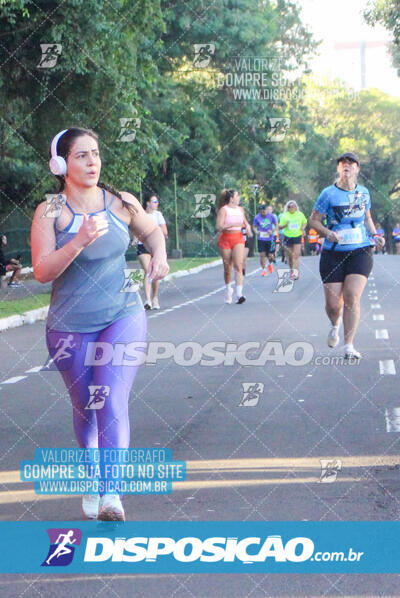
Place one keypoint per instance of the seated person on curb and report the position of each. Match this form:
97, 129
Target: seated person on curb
13, 265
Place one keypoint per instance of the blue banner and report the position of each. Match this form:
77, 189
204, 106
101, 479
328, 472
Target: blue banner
199, 547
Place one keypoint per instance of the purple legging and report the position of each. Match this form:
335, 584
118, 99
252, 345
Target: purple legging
107, 427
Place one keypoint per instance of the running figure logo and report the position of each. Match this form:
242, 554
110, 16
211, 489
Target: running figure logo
133, 280
54, 205
50, 54
202, 55
98, 395
64, 348
204, 201
277, 129
285, 283
329, 470
251, 394
61, 551
129, 127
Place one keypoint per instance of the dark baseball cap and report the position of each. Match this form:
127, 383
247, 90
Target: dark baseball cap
349, 156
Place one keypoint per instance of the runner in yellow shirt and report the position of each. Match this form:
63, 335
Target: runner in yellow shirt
293, 222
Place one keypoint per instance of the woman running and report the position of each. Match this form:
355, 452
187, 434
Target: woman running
151, 288
346, 258
230, 220
82, 252
293, 222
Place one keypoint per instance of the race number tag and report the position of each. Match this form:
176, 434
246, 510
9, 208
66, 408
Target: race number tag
264, 234
349, 236
293, 226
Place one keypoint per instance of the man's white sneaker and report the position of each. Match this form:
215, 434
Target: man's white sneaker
110, 508
90, 505
228, 295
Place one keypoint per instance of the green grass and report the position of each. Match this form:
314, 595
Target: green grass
19, 306
188, 262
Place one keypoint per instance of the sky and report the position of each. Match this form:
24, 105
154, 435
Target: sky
339, 22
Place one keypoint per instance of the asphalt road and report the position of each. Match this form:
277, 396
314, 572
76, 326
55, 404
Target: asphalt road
253, 458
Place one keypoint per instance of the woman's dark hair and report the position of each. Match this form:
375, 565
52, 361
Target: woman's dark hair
147, 197
225, 196
63, 149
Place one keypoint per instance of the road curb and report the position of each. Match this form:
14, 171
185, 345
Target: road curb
33, 315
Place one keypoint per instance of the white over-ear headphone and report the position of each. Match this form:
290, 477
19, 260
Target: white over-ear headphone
57, 164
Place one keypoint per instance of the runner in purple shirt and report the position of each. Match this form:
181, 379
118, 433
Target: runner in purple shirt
264, 225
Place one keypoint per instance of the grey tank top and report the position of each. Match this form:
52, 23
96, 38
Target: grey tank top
88, 295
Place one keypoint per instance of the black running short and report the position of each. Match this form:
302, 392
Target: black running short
334, 266
292, 241
141, 250
266, 246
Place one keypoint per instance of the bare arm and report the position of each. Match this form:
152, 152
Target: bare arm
315, 221
247, 225
47, 261
282, 225
369, 223
164, 230
221, 220
151, 235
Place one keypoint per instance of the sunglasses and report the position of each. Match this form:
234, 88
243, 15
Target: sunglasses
154, 201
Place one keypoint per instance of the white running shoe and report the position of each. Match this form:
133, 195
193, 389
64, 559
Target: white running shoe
228, 295
333, 337
156, 304
350, 354
90, 505
110, 508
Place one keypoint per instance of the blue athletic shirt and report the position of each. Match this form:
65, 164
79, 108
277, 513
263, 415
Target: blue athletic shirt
87, 296
396, 232
345, 212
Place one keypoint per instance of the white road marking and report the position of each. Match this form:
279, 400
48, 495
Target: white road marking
392, 417
378, 317
13, 380
375, 306
191, 301
37, 369
387, 367
382, 334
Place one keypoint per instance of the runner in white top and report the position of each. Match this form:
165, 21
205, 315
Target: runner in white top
151, 289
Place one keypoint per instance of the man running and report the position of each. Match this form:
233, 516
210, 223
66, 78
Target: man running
264, 225
346, 260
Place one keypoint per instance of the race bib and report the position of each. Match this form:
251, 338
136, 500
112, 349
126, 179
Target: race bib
293, 226
349, 236
264, 234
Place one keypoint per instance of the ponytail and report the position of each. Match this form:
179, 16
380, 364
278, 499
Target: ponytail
225, 196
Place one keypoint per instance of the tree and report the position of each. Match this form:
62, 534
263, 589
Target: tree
366, 123
387, 12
